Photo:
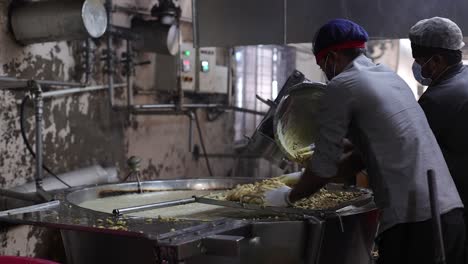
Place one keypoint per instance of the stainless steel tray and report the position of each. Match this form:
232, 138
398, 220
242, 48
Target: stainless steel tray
361, 200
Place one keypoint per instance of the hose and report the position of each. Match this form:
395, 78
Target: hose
28, 146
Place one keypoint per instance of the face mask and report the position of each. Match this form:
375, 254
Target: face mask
417, 73
325, 70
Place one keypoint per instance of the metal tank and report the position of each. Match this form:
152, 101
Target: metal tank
57, 20
155, 37
232, 236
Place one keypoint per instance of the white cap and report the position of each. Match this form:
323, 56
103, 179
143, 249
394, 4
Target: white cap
437, 32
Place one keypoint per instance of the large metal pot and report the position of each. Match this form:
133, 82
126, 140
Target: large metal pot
295, 119
344, 238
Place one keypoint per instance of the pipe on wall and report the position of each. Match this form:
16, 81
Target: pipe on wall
109, 55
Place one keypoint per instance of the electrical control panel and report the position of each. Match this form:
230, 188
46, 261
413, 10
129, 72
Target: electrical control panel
213, 76
213, 71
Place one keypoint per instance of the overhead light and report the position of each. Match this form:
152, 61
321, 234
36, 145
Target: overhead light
57, 20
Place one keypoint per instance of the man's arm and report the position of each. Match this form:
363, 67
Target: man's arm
350, 164
333, 119
335, 155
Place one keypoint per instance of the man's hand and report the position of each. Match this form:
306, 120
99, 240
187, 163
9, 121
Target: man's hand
278, 197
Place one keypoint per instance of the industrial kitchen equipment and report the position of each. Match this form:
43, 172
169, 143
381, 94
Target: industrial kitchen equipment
199, 232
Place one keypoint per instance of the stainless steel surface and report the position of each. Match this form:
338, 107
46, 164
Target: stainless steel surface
222, 245
363, 199
132, 209
79, 90
30, 209
57, 20
90, 237
85, 194
295, 119
267, 22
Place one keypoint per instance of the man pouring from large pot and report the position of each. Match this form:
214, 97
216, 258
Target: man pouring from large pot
375, 109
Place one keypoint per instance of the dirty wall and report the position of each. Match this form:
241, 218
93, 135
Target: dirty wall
82, 130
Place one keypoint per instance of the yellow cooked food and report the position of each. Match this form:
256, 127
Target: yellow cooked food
323, 199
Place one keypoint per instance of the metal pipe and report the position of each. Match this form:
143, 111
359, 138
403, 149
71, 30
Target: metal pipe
139, 208
202, 143
39, 110
439, 250
85, 176
129, 64
79, 90
31, 197
195, 36
58, 83
195, 106
109, 57
30, 209
56, 20
244, 110
190, 137
197, 69
131, 10
180, 102
39, 105
156, 112
88, 70
229, 156
196, 44
229, 77
23, 83
123, 32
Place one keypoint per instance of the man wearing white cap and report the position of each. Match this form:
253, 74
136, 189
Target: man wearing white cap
436, 44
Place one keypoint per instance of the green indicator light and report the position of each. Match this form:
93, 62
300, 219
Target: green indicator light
187, 53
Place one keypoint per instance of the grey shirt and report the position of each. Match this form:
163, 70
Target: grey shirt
376, 109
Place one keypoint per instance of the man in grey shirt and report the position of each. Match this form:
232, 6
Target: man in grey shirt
373, 107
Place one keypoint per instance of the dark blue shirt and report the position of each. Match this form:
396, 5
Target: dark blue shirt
445, 104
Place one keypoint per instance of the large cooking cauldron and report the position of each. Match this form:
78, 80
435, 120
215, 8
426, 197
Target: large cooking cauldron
344, 238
